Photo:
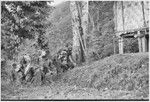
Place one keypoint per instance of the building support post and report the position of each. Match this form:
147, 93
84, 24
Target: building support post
140, 44
144, 44
139, 41
121, 45
142, 41
147, 43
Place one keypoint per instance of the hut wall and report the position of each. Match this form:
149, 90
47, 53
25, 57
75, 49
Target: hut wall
132, 15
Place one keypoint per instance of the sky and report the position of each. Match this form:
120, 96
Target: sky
56, 2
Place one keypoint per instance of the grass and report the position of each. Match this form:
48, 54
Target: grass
125, 72
122, 76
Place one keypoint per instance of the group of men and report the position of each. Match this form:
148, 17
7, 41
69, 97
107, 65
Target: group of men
25, 71
63, 60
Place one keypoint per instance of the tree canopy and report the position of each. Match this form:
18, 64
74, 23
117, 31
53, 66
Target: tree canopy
23, 20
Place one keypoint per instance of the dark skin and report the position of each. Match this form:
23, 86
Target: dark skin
31, 74
46, 67
60, 58
22, 72
23, 63
42, 77
13, 76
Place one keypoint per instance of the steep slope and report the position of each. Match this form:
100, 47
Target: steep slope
127, 72
116, 77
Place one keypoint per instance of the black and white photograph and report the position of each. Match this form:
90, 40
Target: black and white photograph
69, 50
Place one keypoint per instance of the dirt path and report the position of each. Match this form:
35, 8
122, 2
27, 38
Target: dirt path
64, 91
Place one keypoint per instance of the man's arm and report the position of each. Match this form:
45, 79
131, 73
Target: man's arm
71, 59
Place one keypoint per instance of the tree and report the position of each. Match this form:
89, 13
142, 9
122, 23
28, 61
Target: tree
100, 29
23, 20
60, 33
79, 22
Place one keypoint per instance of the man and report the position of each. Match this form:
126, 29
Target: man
67, 59
30, 74
71, 62
44, 65
16, 74
27, 64
21, 73
62, 59
13, 73
56, 64
24, 67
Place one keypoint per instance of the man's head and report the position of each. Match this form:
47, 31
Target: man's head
14, 65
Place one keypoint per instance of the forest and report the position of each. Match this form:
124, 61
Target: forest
68, 51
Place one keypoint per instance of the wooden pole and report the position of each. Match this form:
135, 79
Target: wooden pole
144, 21
115, 21
114, 43
115, 15
122, 15
144, 44
121, 45
121, 38
139, 42
144, 41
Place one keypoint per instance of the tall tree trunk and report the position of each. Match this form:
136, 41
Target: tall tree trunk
79, 30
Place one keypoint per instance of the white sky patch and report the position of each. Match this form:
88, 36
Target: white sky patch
56, 2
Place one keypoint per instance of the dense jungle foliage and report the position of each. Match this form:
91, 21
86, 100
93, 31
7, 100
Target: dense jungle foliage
31, 28
27, 27
23, 26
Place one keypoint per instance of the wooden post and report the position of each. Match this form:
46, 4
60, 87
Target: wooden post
139, 41
147, 42
123, 20
114, 44
140, 44
144, 44
115, 21
121, 45
144, 21
115, 15
121, 38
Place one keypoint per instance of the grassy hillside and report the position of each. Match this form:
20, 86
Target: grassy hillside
127, 72
123, 76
